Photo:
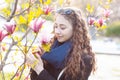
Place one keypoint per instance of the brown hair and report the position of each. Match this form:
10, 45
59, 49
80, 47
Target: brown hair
81, 44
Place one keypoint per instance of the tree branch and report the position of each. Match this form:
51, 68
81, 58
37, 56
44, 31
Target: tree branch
13, 12
2, 17
21, 12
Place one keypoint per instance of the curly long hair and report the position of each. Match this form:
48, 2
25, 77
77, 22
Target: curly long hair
81, 44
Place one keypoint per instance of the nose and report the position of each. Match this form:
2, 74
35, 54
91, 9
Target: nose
57, 31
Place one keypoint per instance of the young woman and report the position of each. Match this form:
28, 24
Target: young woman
71, 56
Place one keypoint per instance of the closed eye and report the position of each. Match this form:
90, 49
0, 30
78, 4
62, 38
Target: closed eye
62, 26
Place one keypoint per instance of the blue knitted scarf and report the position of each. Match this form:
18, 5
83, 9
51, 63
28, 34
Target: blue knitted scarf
57, 54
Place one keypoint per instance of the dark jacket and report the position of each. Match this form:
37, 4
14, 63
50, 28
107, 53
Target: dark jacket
51, 73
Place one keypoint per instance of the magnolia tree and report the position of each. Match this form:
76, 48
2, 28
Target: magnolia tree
23, 20
24, 30
98, 17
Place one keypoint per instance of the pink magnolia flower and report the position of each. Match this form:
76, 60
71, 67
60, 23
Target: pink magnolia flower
10, 27
47, 10
45, 37
107, 13
36, 24
2, 35
100, 21
45, 41
91, 21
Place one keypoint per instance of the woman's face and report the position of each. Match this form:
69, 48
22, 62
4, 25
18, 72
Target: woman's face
63, 29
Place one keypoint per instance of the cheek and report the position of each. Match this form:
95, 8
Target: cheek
69, 33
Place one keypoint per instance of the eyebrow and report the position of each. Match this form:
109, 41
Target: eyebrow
59, 24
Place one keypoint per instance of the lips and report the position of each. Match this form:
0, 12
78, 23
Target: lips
58, 36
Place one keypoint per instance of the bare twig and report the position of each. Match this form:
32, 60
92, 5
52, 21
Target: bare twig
13, 12
5, 58
25, 34
22, 69
33, 42
10, 63
21, 12
17, 71
2, 17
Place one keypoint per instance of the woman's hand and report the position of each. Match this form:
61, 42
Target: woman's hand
39, 51
35, 63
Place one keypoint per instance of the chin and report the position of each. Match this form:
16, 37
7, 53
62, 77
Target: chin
61, 41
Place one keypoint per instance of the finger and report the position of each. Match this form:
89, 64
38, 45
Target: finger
40, 60
38, 56
41, 50
31, 57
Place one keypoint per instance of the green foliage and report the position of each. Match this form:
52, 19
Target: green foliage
113, 29
49, 17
